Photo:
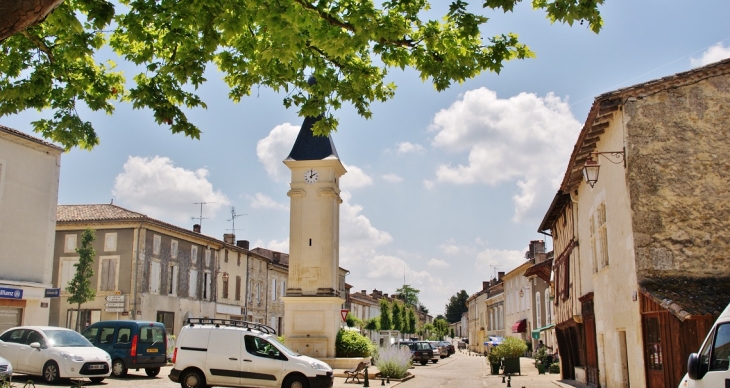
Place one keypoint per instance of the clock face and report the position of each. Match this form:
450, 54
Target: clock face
311, 176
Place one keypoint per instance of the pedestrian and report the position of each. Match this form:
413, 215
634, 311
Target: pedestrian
540, 345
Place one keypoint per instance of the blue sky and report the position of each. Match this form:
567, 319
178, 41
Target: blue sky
442, 188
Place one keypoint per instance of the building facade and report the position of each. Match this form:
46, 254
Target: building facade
517, 302
29, 174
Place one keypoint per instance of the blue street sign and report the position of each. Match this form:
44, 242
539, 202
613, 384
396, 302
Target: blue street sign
11, 293
53, 292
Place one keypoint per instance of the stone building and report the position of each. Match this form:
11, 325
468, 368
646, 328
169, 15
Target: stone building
542, 308
278, 272
518, 303
29, 173
652, 265
477, 319
495, 307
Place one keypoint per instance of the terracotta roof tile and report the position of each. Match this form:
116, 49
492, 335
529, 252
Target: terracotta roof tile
28, 137
686, 297
67, 213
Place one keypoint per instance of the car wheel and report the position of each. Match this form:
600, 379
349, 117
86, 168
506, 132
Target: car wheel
118, 368
295, 381
50, 372
152, 372
96, 380
424, 362
192, 379
434, 361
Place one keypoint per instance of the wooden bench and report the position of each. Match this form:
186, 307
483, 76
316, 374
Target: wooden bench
356, 372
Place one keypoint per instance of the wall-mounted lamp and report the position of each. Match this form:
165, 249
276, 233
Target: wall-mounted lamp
225, 276
591, 168
522, 291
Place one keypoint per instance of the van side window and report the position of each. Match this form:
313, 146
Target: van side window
721, 349
260, 347
123, 335
107, 335
90, 333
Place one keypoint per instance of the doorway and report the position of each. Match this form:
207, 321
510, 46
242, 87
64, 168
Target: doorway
624, 359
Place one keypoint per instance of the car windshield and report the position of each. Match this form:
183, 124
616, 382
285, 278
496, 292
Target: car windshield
281, 346
66, 338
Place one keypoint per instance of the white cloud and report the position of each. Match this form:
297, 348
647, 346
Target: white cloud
505, 260
713, 54
392, 178
524, 139
263, 201
355, 178
449, 248
356, 229
154, 186
274, 148
408, 147
438, 263
274, 245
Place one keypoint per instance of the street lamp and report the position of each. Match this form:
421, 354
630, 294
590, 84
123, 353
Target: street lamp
591, 167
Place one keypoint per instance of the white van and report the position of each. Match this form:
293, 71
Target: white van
711, 367
229, 353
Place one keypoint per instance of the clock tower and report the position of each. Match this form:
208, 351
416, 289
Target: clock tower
312, 302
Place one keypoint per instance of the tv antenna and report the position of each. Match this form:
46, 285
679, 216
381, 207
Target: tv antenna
233, 219
200, 218
494, 268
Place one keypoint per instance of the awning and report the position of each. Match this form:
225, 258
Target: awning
520, 326
536, 332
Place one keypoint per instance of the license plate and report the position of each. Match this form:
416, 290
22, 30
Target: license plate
151, 350
96, 366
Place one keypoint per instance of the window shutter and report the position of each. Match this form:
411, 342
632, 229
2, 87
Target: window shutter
273, 289
104, 286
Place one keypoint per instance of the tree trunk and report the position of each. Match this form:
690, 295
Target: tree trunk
78, 319
17, 15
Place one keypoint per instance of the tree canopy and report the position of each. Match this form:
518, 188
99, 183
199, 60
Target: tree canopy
56, 60
456, 306
408, 295
80, 286
386, 321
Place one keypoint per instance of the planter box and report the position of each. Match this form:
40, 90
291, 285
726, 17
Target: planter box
511, 365
495, 368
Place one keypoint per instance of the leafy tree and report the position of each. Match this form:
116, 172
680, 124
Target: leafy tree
441, 327
451, 333
80, 286
352, 321
408, 295
386, 322
372, 324
57, 60
412, 321
422, 308
397, 316
456, 306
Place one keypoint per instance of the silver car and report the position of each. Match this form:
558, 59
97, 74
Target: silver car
6, 370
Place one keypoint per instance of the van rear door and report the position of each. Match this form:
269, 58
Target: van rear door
151, 344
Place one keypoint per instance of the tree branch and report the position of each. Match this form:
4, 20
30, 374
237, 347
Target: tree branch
39, 43
326, 16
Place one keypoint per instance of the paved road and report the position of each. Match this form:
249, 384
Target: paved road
459, 371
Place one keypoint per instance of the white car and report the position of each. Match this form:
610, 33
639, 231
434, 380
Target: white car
6, 371
54, 353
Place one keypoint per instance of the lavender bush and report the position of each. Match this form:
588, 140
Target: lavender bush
393, 361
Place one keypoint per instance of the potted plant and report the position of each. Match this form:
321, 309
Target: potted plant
495, 360
541, 357
511, 349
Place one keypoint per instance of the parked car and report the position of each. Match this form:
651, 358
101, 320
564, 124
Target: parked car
711, 366
439, 351
421, 351
449, 347
224, 352
53, 353
462, 345
131, 344
6, 370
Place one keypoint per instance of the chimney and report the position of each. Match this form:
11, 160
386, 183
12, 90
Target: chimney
242, 244
385, 295
277, 257
229, 238
485, 285
196, 228
364, 292
500, 274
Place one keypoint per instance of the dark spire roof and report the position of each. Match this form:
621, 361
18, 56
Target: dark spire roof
310, 147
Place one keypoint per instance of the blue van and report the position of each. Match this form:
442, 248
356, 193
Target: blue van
131, 345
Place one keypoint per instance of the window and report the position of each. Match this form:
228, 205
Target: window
206, 282
167, 319
151, 334
653, 344
107, 335
110, 242
108, 273
68, 271
173, 249
260, 347
172, 279
721, 352
225, 258
283, 288
207, 257
273, 289
602, 235
238, 288
123, 335
538, 316
548, 309
599, 238
194, 254
87, 318
238, 258
249, 290
155, 277
193, 284
69, 245
258, 293
156, 242
224, 289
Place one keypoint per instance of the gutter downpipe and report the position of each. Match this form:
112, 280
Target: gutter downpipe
245, 297
136, 271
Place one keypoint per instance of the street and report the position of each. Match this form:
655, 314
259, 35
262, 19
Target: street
460, 370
